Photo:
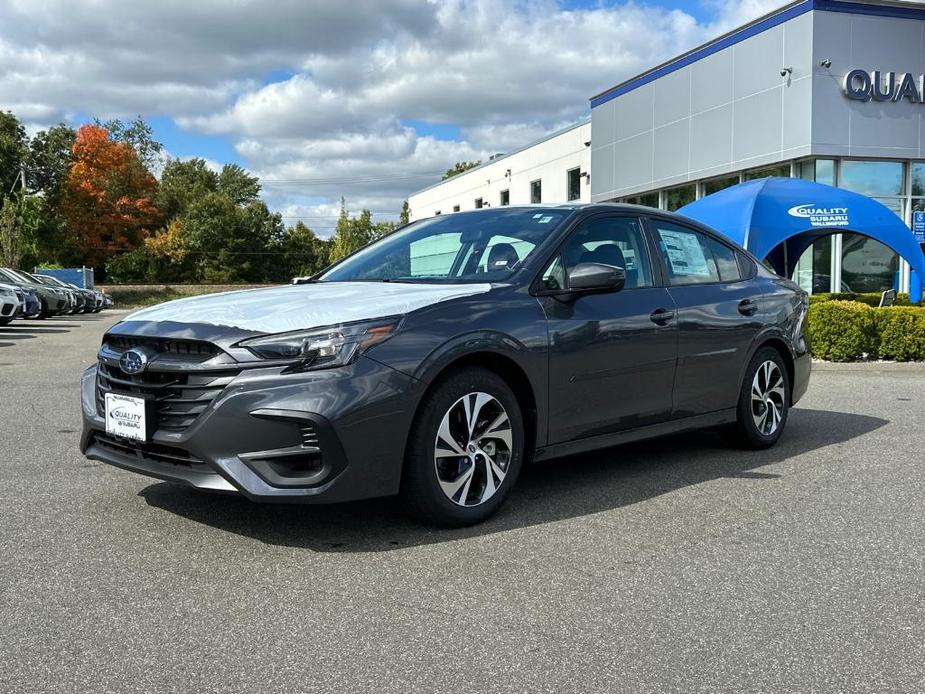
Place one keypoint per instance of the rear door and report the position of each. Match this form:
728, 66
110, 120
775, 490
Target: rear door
611, 354
718, 312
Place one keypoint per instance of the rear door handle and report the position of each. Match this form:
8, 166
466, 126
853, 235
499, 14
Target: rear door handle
747, 307
661, 316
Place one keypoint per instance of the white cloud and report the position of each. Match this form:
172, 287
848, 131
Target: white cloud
347, 77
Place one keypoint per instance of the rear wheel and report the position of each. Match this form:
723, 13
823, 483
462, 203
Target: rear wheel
465, 450
764, 401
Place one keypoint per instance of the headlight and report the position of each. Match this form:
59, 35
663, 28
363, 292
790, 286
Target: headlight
322, 348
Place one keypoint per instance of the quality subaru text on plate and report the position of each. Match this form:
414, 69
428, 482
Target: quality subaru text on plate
439, 360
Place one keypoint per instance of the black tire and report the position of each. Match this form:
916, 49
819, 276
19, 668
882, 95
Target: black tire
6, 321
43, 310
746, 432
421, 490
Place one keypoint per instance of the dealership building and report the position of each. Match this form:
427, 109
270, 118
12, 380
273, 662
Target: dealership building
827, 90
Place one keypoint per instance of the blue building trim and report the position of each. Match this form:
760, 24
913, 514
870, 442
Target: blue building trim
754, 29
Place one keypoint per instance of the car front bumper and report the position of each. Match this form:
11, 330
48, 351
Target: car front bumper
313, 437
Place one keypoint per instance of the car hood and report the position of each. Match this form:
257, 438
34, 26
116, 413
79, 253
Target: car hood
305, 306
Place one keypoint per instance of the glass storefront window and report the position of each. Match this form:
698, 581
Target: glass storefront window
875, 179
867, 265
646, 200
822, 265
918, 178
825, 171
675, 198
780, 171
717, 184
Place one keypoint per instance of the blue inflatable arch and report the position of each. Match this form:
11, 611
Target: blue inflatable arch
779, 218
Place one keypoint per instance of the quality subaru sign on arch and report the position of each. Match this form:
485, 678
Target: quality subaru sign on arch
821, 216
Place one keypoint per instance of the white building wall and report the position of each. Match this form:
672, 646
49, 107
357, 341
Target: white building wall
548, 160
725, 112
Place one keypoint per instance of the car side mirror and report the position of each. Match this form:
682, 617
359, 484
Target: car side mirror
596, 276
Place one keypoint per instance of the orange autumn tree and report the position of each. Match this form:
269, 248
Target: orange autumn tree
108, 196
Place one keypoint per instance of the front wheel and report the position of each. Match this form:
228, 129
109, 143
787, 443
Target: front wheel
465, 450
764, 401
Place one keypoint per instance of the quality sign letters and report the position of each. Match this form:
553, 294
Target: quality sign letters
821, 216
866, 85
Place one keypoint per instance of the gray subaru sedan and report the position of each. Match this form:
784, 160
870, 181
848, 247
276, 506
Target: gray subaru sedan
438, 361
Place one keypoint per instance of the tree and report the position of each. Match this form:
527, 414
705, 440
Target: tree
459, 167
50, 154
13, 151
304, 252
139, 136
237, 184
108, 197
183, 182
20, 218
404, 218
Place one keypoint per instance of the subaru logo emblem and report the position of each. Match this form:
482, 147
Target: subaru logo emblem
133, 361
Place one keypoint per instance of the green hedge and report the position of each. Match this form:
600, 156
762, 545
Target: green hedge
901, 330
841, 330
850, 330
869, 298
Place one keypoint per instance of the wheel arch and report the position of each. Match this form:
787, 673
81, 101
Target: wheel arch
779, 344
507, 368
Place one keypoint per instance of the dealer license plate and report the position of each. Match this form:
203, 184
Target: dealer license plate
127, 416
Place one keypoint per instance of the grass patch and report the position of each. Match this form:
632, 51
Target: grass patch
142, 298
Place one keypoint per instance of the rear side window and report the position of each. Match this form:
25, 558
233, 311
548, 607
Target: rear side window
726, 262
687, 254
747, 267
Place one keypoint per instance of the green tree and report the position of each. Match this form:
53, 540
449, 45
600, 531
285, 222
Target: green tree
404, 218
237, 184
304, 252
459, 167
182, 183
140, 136
50, 153
20, 218
13, 151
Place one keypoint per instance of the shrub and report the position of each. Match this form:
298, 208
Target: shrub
901, 333
841, 330
869, 298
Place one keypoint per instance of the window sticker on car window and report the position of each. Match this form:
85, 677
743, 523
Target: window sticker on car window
537, 215
685, 254
545, 220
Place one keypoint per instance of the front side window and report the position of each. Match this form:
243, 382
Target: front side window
616, 241
687, 254
573, 183
536, 191
485, 246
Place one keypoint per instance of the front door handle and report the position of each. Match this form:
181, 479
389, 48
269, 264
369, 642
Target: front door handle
747, 307
661, 316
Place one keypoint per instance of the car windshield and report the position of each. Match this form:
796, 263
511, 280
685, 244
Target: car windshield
478, 246
16, 277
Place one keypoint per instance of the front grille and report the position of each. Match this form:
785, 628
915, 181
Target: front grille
150, 452
188, 350
180, 397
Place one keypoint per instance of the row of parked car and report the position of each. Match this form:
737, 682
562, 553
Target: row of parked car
31, 295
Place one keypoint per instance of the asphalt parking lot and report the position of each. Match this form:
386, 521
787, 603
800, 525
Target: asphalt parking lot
678, 565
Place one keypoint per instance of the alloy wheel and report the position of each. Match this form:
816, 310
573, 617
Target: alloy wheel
473, 449
768, 398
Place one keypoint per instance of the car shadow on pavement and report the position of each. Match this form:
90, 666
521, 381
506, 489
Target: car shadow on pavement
548, 491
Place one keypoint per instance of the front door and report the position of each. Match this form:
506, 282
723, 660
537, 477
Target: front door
611, 355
